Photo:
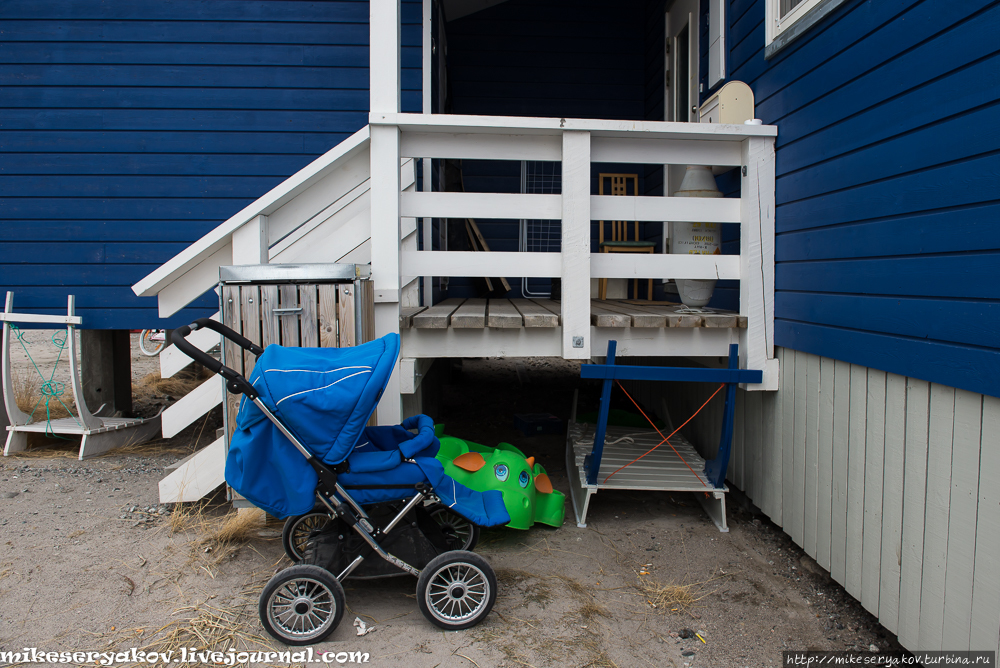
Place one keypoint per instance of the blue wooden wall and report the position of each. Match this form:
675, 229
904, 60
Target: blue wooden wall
888, 183
129, 129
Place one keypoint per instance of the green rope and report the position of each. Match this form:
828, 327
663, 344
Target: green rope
50, 388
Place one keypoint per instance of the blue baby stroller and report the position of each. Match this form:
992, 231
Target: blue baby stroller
302, 450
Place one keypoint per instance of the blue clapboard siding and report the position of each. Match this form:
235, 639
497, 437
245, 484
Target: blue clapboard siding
129, 129
887, 191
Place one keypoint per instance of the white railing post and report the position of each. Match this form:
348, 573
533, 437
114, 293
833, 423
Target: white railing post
250, 242
386, 247
757, 260
576, 244
384, 56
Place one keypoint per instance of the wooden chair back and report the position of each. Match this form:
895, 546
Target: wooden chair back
618, 184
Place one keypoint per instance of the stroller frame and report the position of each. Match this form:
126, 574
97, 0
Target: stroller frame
349, 511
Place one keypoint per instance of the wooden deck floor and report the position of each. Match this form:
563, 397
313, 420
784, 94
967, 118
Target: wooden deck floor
540, 313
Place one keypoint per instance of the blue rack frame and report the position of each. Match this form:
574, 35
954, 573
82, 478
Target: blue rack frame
715, 469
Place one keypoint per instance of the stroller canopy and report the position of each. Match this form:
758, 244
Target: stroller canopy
324, 396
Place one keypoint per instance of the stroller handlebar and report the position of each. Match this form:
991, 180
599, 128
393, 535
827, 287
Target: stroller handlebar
235, 382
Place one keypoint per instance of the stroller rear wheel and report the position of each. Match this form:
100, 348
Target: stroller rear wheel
456, 590
297, 529
301, 605
464, 533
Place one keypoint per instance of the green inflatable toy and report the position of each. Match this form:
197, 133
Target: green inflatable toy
525, 485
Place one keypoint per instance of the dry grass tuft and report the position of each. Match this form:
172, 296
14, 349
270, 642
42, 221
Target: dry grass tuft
239, 526
220, 536
185, 516
28, 395
595, 645
42, 447
152, 386
593, 609
205, 627
672, 597
511, 576
575, 588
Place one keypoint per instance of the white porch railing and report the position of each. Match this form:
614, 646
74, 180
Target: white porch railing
577, 144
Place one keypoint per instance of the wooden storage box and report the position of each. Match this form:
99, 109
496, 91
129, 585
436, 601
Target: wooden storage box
300, 305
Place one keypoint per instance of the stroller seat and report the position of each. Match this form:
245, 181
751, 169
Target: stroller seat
325, 396
389, 462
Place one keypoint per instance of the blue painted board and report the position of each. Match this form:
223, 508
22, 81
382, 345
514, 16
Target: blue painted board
958, 138
90, 208
94, 164
245, 10
189, 31
961, 183
246, 120
284, 99
70, 274
101, 230
966, 228
58, 251
159, 54
959, 275
924, 318
134, 142
666, 373
119, 186
957, 93
975, 369
912, 48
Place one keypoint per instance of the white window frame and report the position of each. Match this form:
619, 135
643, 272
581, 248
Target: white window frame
780, 31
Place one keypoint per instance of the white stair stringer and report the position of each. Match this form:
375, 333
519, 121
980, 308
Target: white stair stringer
172, 360
320, 214
192, 406
196, 476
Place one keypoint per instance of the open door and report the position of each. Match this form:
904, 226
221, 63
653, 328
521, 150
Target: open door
681, 84
681, 57
681, 80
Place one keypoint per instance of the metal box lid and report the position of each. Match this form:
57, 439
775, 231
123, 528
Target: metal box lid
294, 273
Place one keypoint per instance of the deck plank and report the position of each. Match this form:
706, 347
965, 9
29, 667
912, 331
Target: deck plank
470, 315
603, 317
534, 314
437, 316
669, 310
406, 316
724, 320
501, 313
640, 317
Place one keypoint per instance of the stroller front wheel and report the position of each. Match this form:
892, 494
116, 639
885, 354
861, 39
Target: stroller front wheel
301, 605
456, 590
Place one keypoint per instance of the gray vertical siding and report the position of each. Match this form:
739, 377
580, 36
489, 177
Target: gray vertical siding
887, 482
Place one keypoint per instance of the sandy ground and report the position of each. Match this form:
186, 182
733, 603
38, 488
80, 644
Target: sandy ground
91, 562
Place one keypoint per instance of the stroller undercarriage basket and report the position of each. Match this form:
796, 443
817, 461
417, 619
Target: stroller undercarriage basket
301, 438
418, 539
